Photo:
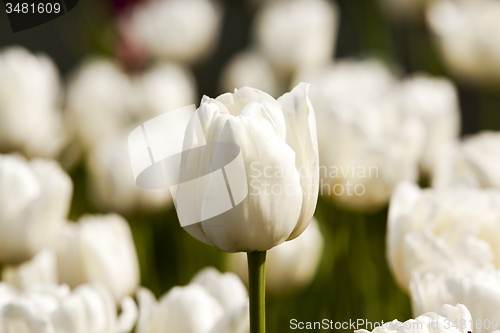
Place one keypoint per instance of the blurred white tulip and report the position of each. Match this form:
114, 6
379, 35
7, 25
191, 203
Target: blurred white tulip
250, 69
474, 162
279, 151
448, 231
211, 303
103, 100
294, 34
88, 309
367, 143
180, 30
35, 200
467, 33
41, 270
30, 104
435, 102
291, 265
111, 181
99, 249
478, 291
100, 100
440, 321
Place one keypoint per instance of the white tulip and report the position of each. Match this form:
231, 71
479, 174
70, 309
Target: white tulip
278, 145
88, 309
99, 249
435, 102
36, 197
449, 231
474, 162
99, 101
479, 292
103, 101
466, 32
367, 143
291, 265
185, 31
111, 181
250, 69
30, 108
443, 320
211, 303
41, 270
297, 33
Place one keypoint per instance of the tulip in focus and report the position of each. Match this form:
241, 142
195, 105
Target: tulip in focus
99, 249
291, 265
211, 303
36, 197
276, 135
442, 231
30, 104
89, 308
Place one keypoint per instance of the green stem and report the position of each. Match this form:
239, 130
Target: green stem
257, 284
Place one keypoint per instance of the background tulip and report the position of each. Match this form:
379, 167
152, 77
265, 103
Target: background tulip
441, 320
176, 29
478, 291
88, 309
211, 303
451, 230
465, 33
291, 265
367, 142
474, 162
30, 104
99, 249
35, 201
40, 270
296, 34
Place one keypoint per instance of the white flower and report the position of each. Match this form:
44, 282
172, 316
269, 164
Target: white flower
41, 270
440, 321
479, 292
30, 110
276, 135
474, 162
467, 34
289, 266
250, 69
88, 309
111, 181
99, 249
35, 200
449, 231
297, 33
435, 102
211, 303
181, 30
367, 143
103, 101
